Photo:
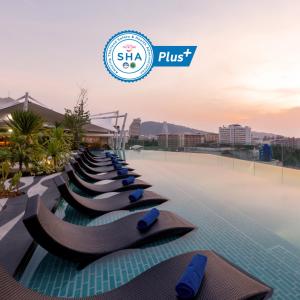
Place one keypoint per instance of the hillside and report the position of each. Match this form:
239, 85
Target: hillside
155, 128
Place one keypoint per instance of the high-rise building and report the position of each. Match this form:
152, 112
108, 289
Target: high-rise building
135, 128
235, 134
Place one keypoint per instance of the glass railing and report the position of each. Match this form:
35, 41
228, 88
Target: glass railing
282, 166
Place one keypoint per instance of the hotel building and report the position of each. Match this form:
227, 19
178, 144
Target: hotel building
235, 134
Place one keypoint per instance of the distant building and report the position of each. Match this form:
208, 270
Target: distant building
287, 142
192, 140
169, 140
135, 128
258, 139
235, 135
211, 138
181, 140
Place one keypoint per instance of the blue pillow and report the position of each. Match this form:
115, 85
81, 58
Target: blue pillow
123, 171
148, 220
117, 166
190, 281
136, 195
128, 180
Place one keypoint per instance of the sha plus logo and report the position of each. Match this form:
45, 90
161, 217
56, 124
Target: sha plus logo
129, 56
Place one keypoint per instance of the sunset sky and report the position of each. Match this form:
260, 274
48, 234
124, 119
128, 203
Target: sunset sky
246, 68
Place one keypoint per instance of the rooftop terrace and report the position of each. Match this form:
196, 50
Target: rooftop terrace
247, 212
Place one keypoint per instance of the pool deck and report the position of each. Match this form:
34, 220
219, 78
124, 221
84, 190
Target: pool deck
14, 238
232, 209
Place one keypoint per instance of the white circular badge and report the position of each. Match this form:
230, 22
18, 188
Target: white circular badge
128, 56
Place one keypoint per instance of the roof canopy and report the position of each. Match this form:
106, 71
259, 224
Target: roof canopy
8, 105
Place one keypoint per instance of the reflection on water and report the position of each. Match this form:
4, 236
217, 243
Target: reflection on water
268, 194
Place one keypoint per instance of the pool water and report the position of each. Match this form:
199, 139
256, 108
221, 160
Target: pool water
247, 212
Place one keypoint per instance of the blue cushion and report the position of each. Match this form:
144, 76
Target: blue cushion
190, 281
117, 166
123, 171
128, 180
148, 220
136, 195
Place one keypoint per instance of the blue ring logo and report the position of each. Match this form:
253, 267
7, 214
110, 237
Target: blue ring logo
128, 56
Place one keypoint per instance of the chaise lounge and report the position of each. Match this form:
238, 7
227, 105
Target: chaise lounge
97, 207
98, 177
86, 244
222, 281
96, 160
99, 164
97, 189
97, 170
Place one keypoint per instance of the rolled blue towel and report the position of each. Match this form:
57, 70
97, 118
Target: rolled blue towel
148, 220
136, 195
123, 171
188, 285
117, 166
114, 160
128, 180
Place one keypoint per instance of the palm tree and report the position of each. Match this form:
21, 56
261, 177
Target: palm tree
58, 146
25, 125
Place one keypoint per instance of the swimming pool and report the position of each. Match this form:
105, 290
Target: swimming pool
247, 212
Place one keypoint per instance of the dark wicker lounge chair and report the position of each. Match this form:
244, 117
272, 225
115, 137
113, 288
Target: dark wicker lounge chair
96, 160
222, 281
97, 207
98, 169
98, 164
98, 177
97, 189
85, 244
101, 155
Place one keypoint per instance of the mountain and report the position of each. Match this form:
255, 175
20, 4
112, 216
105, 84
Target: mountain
155, 128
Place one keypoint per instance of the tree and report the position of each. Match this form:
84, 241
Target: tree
78, 117
25, 126
58, 147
